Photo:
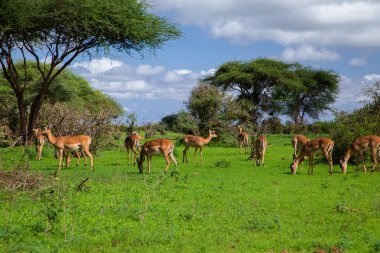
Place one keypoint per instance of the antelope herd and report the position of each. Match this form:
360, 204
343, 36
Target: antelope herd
302, 147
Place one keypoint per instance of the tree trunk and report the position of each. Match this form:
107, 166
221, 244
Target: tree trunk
34, 111
22, 115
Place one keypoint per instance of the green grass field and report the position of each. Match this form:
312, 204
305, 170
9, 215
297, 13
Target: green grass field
194, 208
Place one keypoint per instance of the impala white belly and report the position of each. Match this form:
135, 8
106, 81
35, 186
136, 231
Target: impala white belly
72, 147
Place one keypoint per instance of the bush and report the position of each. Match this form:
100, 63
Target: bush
347, 126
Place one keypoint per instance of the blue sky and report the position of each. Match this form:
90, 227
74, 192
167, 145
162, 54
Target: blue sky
338, 35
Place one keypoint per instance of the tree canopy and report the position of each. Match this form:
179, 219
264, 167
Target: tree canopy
54, 33
274, 87
318, 91
254, 81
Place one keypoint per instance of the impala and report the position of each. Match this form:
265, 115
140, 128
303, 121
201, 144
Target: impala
298, 141
243, 138
70, 143
324, 144
157, 146
40, 141
358, 145
196, 142
261, 144
132, 144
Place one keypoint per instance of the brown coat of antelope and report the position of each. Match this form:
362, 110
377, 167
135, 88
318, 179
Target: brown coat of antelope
196, 142
70, 143
157, 146
132, 144
298, 141
261, 144
326, 145
40, 141
243, 138
358, 145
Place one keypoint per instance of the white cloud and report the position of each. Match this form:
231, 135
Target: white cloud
324, 23
182, 72
208, 72
149, 70
98, 66
357, 62
148, 82
351, 93
306, 52
372, 78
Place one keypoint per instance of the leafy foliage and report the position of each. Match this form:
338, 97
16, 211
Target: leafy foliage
60, 31
254, 82
363, 121
318, 91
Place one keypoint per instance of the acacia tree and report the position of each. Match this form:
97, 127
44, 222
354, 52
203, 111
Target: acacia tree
318, 91
253, 81
54, 33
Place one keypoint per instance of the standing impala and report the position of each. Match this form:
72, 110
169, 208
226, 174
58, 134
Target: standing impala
243, 138
261, 144
40, 141
326, 145
70, 143
358, 145
196, 142
298, 141
132, 144
157, 146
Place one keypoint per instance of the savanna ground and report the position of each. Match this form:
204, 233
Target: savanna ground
225, 205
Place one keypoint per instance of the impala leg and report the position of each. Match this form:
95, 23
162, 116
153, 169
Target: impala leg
60, 159
329, 159
173, 158
166, 156
363, 161
263, 158
195, 152
240, 146
149, 160
374, 157
310, 164
84, 157
185, 153
39, 153
134, 155
200, 150
86, 149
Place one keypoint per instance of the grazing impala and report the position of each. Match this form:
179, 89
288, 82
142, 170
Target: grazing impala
70, 143
261, 144
196, 142
358, 145
132, 144
157, 146
298, 141
243, 138
324, 144
40, 141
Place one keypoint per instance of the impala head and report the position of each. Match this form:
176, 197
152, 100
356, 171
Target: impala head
212, 133
140, 163
293, 167
36, 131
45, 131
343, 165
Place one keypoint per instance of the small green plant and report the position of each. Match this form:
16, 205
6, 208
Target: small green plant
222, 163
